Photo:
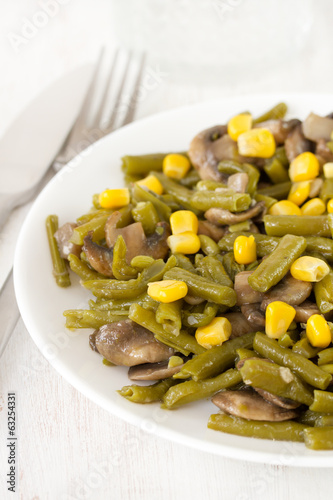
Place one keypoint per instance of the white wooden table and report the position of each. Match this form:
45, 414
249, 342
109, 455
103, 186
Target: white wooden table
68, 447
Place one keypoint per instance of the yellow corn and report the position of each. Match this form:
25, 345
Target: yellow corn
284, 207
279, 317
187, 242
151, 182
239, 124
167, 291
245, 249
330, 206
213, 334
176, 166
308, 268
183, 221
328, 170
257, 142
299, 192
316, 206
318, 332
304, 167
114, 198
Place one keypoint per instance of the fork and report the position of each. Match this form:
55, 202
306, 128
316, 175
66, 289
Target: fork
85, 131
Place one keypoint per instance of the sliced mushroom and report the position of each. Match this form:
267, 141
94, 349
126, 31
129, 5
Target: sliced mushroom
63, 235
153, 371
286, 403
315, 187
209, 229
238, 182
245, 293
100, 258
250, 405
305, 310
223, 217
126, 343
323, 151
136, 241
289, 290
239, 325
296, 143
279, 128
254, 315
317, 127
192, 300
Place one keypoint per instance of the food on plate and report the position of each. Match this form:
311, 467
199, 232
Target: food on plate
210, 275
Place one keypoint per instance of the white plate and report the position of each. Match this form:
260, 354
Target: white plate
42, 303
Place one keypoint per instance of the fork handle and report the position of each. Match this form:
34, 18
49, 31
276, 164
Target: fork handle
7, 203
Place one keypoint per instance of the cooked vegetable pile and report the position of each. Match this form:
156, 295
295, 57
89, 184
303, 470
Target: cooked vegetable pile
211, 275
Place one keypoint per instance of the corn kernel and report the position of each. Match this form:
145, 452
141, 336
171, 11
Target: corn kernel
299, 192
279, 317
328, 170
114, 198
183, 221
316, 206
176, 166
308, 268
257, 142
304, 167
213, 334
284, 207
151, 182
187, 242
239, 124
245, 249
167, 291
318, 332
330, 206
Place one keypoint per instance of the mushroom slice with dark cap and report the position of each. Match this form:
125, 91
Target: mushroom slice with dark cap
239, 324
126, 343
253, 314
286, 403
296, 143
279, 128
238, 182
153, 371
222, 217
250, 405
323, 151
305, 310
209, 229
317, 127
289, 290
100, 258
245, 293
63, 236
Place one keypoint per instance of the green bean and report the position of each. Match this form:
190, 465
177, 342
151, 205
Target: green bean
299, 225
276, 379
185, 263
190, 179
96, 225
182, 194
326, 192
120, 269
304, 348
142, 261
276, 171
190, 391
82, 269
196, 319
265, 244
117, 289
329, 144
271, 270
113, 304
213, 269
171, 201
148, 393
323, 402
184, 342
208, 245
325, 356
268, 200
327, 368
169, 315
278, 191
254, 176
210, 185
201, 287
323, 291
231, 266
203, 200
141, 194
143, 164
245, 354
303, 367
240, 226
319, 438
95, 202
308, 417
60, 271
230, 167
92, 215
288, 339
85, 318
324, 246
280, 154
324, 421
215, 360
146, 213
277, 112
279, 431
